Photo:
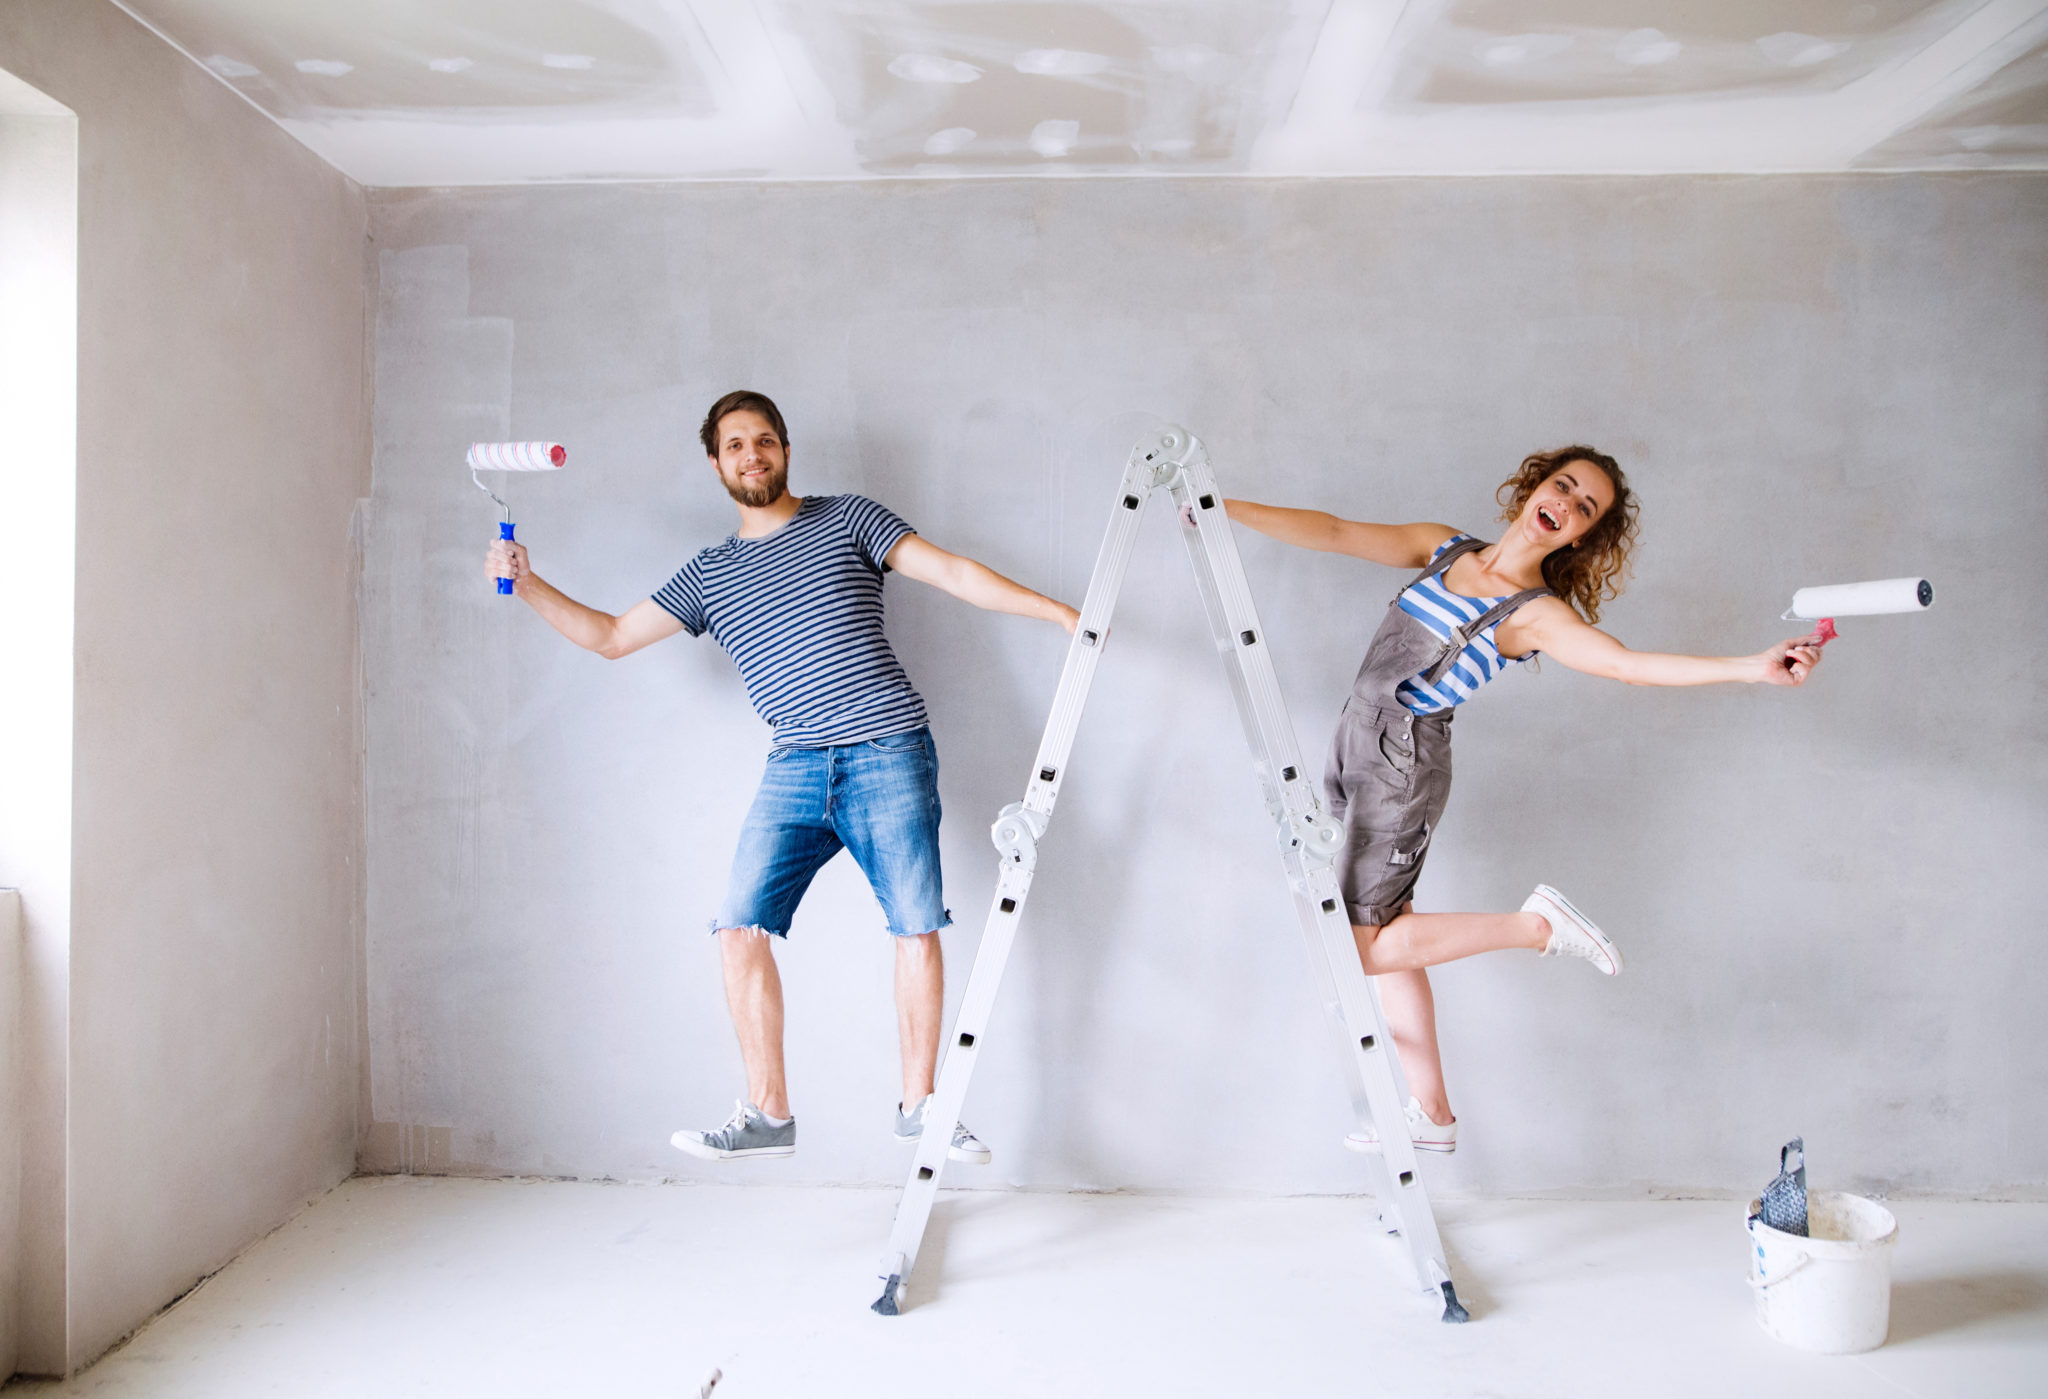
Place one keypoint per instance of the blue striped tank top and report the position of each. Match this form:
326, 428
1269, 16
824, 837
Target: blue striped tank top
1439, 609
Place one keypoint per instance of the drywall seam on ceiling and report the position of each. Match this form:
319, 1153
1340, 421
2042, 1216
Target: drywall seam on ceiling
1349, 56
254, 105
1324, 117
1956, 62
1793, 133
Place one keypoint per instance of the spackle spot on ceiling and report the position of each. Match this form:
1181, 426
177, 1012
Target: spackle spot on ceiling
449, 65
1976, 138
324, 67
576, 61
1522, 48
931, 68
231, 67
946, 142
1643, 47
1189, 59
1060, 63
1054, 138
1798, 50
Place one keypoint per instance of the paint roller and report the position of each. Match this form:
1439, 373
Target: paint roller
1887, 595
512, 456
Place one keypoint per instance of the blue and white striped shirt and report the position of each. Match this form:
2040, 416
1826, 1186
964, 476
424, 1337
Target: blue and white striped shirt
800, 613
1440, 610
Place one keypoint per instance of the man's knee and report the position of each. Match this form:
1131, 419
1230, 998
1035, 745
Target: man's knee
918, 956
747, 942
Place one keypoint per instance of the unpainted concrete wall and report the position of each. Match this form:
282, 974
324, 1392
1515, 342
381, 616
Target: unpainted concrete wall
1822, 894
223, 411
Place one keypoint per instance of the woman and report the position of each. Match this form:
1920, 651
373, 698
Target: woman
1474, 609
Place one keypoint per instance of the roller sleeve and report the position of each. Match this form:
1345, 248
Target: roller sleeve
1886, 595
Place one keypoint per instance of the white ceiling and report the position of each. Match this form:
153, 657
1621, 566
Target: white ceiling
450, 92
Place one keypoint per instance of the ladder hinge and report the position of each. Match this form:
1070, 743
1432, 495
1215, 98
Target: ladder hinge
1318, 839
1016, 834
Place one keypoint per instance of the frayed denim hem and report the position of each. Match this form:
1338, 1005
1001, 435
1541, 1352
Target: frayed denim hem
717, 927
946, 921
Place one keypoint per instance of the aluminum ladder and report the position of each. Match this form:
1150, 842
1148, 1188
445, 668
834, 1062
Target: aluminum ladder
1174, 461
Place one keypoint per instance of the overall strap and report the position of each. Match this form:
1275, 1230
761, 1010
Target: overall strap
1441, 562
1461, 637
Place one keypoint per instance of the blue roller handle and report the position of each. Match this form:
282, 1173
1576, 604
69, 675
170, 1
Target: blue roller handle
504, 532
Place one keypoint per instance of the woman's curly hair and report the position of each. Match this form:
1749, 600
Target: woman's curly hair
1593, 571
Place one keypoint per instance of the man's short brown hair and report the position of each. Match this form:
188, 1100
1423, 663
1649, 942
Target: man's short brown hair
740, 401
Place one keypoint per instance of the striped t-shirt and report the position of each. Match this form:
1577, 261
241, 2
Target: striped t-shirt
800, 613
1439, 609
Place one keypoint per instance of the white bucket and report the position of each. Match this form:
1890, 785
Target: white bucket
1832, 1292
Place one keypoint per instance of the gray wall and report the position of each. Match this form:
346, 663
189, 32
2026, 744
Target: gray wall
1820, 893
215, 910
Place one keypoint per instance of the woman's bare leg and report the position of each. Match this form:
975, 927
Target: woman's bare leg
1411, 1019
1396, 953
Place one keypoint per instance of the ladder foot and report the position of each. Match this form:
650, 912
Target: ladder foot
892, 1293
1454, 1310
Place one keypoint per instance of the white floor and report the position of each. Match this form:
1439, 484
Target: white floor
405, 1285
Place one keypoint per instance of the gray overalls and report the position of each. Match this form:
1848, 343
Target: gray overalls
1389, 772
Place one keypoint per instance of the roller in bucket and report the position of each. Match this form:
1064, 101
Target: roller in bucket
512, 456
1883, 597
1820, 1263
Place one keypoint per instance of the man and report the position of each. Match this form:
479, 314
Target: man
795, 597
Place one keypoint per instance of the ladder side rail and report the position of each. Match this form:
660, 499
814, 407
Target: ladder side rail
1016, 833
1225, 578
1275, 776
1221, 638
1098, 606
1322, 961
1371, 1055
949, 1094
1273, 781
1376, 1066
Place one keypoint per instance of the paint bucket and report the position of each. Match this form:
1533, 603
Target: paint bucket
1832, 1291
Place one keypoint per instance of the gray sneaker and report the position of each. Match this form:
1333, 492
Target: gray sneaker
966, 1146
746, 1133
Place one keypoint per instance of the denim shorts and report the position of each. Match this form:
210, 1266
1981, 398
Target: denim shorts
878, 799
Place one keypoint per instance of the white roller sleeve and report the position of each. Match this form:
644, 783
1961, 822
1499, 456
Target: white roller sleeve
1863, 599
516, 456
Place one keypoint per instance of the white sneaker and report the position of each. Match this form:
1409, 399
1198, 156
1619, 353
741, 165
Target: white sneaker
1426, 1135
965, 1145
1572, 933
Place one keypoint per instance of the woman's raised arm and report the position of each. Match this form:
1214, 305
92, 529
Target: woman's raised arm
1547, 625
1398, 546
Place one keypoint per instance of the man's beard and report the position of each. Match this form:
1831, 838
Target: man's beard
764, 492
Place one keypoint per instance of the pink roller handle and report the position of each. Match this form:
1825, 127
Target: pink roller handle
1823, 631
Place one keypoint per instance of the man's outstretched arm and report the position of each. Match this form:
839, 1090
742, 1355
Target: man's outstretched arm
915, 557
643, 624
